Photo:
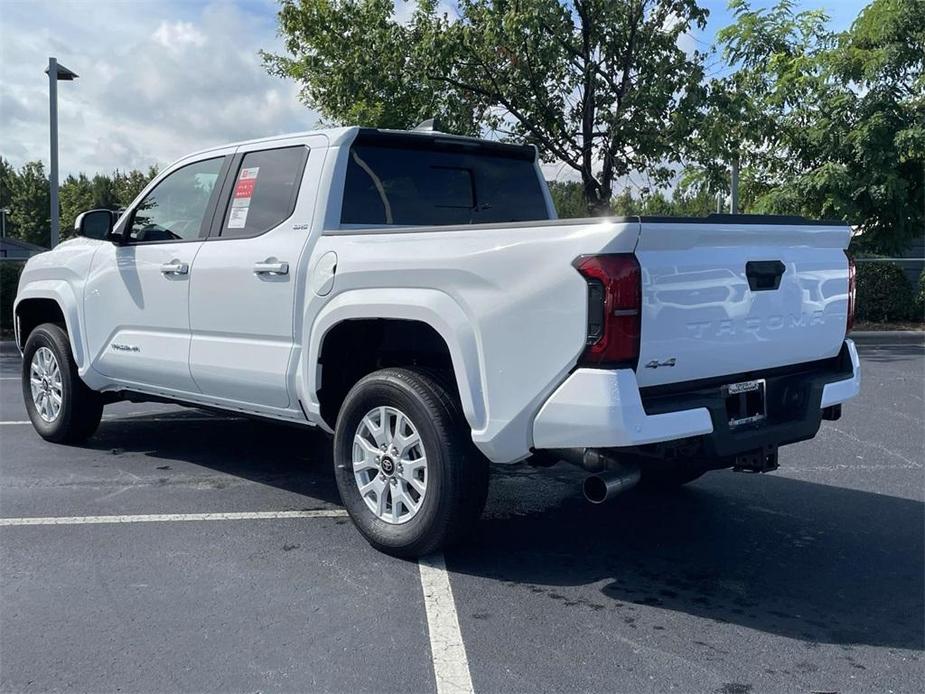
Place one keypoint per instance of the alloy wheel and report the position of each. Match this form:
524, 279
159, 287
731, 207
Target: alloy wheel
390, 465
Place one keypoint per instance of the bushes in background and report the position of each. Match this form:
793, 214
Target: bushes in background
920, 299
9, 280
884, 293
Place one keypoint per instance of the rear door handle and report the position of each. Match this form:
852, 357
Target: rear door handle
764, 275
268, 267
175, 267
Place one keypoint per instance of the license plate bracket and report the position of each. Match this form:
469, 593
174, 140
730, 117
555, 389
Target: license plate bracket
745, 402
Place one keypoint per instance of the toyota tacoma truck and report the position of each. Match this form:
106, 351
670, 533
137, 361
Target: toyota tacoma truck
413, 294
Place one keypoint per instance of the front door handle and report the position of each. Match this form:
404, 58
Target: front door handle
175, 267
271, 267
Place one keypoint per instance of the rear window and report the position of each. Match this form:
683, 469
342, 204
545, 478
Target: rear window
407, 186
265, 190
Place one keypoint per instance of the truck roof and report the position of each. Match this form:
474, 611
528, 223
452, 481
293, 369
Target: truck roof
340, 135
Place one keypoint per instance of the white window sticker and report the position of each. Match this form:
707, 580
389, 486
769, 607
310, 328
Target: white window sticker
241, 201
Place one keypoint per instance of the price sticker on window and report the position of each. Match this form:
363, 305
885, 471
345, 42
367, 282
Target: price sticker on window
241, 200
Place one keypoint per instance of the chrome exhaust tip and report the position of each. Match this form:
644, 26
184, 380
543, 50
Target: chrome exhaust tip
606, 485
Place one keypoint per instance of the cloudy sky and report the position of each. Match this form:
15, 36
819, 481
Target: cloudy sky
159, 79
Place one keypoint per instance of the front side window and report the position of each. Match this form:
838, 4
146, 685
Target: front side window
265, 190
433, 186
175, 209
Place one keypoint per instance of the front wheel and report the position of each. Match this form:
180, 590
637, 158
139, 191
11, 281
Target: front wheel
60, 405
405, 466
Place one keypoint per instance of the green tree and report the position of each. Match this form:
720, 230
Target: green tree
104, 192
600, 86
7, 181
692, 201
29, 204
684, 201
76, 196
625, 205
825, 125
116, 192
568, 198
127, 185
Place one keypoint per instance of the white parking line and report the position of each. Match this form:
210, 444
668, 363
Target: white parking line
448, 652
451, 666
168, 517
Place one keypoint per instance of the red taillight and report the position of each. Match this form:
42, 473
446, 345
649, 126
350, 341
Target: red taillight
614, 307
852, 292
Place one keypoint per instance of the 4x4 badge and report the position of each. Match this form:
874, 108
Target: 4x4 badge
655, 363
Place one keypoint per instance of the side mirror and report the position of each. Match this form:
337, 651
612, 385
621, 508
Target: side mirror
94, 224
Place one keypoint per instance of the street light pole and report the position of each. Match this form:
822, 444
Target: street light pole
55, 72
53, 174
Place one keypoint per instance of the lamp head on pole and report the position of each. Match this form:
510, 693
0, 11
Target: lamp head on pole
63, 73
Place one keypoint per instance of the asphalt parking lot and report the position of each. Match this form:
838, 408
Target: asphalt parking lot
809, 579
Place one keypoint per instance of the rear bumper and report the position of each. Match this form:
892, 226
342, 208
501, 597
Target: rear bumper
837, 392
599, 408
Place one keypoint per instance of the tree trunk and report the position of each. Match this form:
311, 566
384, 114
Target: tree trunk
598, 204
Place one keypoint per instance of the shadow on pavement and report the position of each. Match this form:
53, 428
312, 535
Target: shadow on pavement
286, 457
807, 561
793, 558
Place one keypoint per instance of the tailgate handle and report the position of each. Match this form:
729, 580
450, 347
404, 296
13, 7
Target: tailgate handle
764, 275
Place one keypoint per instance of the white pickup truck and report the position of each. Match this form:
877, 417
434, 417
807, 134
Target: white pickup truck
413, 294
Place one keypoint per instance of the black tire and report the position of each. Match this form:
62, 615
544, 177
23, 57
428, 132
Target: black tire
665, 475
457, 474
81, 408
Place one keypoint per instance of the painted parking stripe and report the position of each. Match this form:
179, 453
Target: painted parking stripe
448, 652
173, 517
451, 666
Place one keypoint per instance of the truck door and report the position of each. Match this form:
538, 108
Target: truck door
243, 292
137, 293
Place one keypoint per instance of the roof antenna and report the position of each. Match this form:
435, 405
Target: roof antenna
426, 126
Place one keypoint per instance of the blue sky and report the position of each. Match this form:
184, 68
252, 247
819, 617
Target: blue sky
161, 78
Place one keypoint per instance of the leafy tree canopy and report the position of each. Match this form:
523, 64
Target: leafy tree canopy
825, 125
683, 201
25, 193
600, 86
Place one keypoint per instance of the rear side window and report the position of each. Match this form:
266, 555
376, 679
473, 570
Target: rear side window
407, 186
265, 190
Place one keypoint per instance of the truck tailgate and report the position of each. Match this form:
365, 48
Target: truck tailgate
721, 299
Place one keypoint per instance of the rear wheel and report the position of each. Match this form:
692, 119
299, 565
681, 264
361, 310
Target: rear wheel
406, 468
60, 405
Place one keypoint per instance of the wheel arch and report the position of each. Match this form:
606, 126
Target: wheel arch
425, 309
49, 301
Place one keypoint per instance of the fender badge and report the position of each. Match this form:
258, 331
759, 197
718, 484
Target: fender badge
655, 363
125, 348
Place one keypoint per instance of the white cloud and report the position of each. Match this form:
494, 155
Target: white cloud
157, 80
176, 35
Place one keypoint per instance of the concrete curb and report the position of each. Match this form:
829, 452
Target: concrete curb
8, 348
888, 337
